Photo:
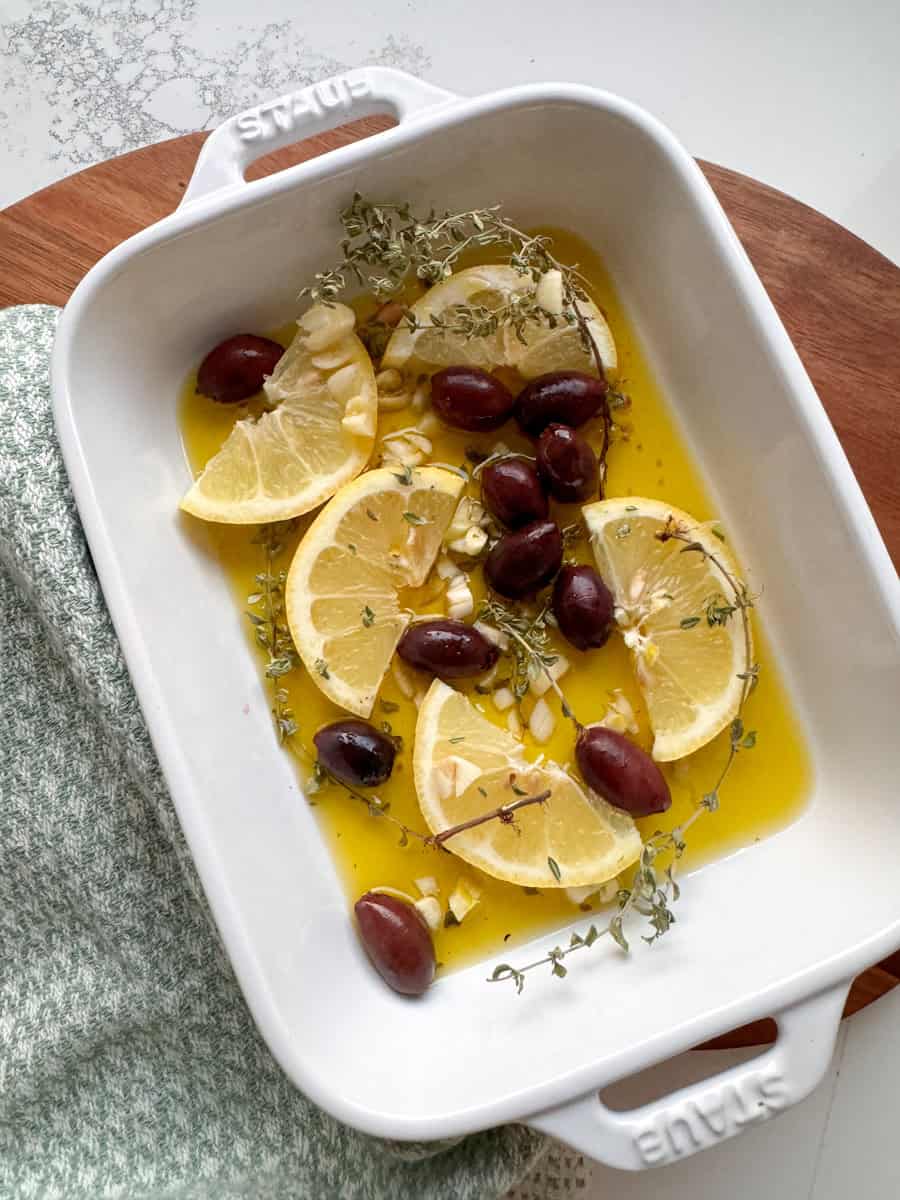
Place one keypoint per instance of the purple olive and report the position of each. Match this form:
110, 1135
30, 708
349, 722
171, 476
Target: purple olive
448, 649
236, 369
621, 772
469, 398
355, 752
511, 490
566, 464
524, 561
583, 606
397, 941
562, 398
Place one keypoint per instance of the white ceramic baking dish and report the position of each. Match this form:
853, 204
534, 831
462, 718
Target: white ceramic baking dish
779, 929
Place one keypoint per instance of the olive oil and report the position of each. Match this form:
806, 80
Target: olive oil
765, 790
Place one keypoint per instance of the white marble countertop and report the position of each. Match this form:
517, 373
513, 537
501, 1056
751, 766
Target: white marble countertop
804, 96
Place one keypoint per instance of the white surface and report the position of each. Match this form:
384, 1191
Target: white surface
804, 96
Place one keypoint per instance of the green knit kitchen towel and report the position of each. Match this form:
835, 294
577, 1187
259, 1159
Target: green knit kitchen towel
129, 1065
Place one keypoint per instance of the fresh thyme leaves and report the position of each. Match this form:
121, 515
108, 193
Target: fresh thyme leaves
530, 649
389, 706
718, 610
653, 890
405, 476
478, 321
386, 245
414, 519
554, 868
368, 617
270, 624
322, 668
689, 622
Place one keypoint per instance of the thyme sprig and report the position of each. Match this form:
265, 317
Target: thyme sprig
531, 650
266, 615
653, 891
385, 245
504, 813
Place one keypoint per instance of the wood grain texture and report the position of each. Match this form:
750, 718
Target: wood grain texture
838, 298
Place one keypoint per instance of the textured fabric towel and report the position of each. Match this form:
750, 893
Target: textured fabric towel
129, 1066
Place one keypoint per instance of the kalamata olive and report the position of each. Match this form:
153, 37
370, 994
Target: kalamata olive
621, 772
564, 397
511, 490
469, 398
236, 368
523, 561
583, 606
397, 941
355, 752
448, 649
566, 464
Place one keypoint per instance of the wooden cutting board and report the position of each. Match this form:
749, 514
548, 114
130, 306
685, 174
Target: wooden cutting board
839, 299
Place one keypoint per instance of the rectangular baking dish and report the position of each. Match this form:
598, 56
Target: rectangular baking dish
779, 929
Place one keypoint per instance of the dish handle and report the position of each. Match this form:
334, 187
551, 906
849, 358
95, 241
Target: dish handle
362, 92
711, 1110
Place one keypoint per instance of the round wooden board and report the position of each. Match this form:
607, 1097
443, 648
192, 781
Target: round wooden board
839, 299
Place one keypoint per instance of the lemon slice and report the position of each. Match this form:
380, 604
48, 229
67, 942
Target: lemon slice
543, 349
465, 766
319, 435
687, 666
380, 534
561, 349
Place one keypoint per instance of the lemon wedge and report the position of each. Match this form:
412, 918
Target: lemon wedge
465, 766
318, 435
428, 347
687, 664
379, 535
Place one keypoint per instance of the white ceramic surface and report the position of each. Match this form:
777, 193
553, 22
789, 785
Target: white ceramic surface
785, 492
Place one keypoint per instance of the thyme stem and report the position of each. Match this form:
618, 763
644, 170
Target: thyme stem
377, 808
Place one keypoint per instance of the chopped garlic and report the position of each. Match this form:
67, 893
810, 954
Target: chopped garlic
603, 891
645, 648
460, 601
427, 885
405, 682
469, 512
503, 698
389, 380
446, 568
549, 292
431, 911
542, 722
620, 715
428, 423
496, 636
392, 401
421, 395
471, 544
326, 324
464, 897
399, 450
393, 392
541, 683
359, 423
